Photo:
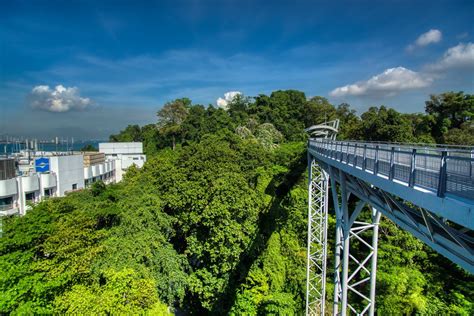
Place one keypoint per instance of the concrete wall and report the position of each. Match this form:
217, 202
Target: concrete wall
69, 171
121, 148
8, 187
124, 155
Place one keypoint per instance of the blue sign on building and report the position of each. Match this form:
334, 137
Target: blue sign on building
42, 164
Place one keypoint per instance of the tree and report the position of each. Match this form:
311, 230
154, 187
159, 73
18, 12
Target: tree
349, 127
450, 110
238, 109
122, 292
266, 134
284, 109
171, 116
219, 224
89, 147
385, 124
464, 135
421, 125
132, 133
318, 110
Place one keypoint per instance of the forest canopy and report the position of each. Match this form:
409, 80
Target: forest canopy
215, 221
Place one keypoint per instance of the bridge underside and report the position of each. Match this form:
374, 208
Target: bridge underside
356, 276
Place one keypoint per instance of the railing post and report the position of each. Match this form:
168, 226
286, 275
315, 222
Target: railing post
442, 175
376, 160
411, 179
341, 153
391, 171
470, 167
347, 153
355, 155
364, 159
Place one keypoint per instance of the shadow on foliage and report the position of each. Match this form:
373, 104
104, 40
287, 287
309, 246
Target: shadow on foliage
269, 221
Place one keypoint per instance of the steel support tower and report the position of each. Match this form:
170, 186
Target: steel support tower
318, 192
360, 281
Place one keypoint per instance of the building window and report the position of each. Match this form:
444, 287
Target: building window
74, 186
6, 203
30, 197
48, 192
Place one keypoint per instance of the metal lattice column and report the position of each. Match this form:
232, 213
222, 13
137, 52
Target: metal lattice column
354, 276
317, 238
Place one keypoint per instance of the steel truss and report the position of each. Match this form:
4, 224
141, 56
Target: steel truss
318, 195
353, 276
317, 239
452, 241
356, 276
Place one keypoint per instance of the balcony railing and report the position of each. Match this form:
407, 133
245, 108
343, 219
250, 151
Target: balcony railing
442, 170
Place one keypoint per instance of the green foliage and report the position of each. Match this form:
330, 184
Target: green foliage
122, 293
97, 188
89, 147
385, 124
147, 134
464, 135
171, 116
132, 133
218, 225
284, 109
450, 110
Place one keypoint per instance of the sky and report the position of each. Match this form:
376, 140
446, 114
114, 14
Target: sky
86, 69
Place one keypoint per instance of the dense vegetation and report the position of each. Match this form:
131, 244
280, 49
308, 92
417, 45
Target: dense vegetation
215, 222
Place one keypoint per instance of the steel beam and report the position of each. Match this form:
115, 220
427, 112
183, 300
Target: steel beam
317, 238
353, 277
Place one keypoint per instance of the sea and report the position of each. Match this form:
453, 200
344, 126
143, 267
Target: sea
11, 148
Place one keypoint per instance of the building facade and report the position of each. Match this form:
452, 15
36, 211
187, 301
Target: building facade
124, 155
33, 176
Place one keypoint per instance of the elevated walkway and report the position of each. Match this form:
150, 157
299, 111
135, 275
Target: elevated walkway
440, 180
425, 190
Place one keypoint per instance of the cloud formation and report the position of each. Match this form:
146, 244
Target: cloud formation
228, 97
390, 82
59, 99
431, 37
459, 56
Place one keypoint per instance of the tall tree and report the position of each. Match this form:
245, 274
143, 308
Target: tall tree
171, 116
386, 124
132, 133
450, 110
318, 110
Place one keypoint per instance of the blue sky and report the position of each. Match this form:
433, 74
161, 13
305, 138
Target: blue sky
88, 68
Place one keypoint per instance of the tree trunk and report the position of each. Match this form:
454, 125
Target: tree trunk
174, 143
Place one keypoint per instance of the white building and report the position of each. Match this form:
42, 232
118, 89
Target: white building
57, 176
35, 176
124, 155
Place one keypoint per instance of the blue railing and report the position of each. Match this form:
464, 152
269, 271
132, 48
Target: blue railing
446, 170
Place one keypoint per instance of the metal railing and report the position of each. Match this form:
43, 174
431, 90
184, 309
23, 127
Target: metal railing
447, 170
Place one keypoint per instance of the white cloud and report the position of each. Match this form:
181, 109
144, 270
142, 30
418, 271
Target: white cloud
430, 37
389, 82
59, 99
228, 97
459, 56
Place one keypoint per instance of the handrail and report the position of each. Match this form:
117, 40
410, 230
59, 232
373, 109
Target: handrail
440, 170
431, 145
